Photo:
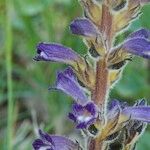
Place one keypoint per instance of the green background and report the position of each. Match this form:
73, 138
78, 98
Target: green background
24, 23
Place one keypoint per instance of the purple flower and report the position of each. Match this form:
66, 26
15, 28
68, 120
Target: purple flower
138, 43
84, 116
140, 111
53, 142
67, 82
131, 121
84, 112
56, 52
84, 27
135, 128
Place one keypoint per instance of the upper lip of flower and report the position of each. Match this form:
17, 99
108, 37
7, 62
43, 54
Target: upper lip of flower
138, 43
67, 82
55, 52
84, 27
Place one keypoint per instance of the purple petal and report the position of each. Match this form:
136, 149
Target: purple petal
38, 143
115, 103
142, 33
141, 113
83, 27
55, 52
72, 117
63, 143
81, 125
138, 46
77, 107
53, 142
45, 137
84, 116
90, 107
67, 82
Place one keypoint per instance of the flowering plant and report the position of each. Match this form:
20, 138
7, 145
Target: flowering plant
107, 125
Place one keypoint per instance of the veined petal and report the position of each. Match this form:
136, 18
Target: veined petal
55, 52
66, 81
53, 142
84, 27
138, 46
141, 113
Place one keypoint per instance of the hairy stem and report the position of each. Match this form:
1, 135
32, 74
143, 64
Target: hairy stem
100, 93
106, 26
95, 145
101, 87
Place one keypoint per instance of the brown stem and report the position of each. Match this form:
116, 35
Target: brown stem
95, 145
101, 85
99, 95
106, 26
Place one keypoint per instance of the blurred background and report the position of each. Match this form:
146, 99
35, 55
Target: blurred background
25, 102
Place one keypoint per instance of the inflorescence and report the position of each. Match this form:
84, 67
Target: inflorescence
107, 125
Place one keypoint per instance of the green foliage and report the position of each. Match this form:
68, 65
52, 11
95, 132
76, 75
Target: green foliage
48, 20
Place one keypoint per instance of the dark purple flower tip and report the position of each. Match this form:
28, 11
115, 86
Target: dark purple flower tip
138, 43
84, 27
90, 107
53, 142
141, 102
55, 52
45, 141
67, 82
84, 116
72, 117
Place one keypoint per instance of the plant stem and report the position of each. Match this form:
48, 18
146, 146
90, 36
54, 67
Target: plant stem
99, 95
95, 145
106, 27
100, 92
8, 46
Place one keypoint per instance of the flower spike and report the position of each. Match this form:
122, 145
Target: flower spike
116, 125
